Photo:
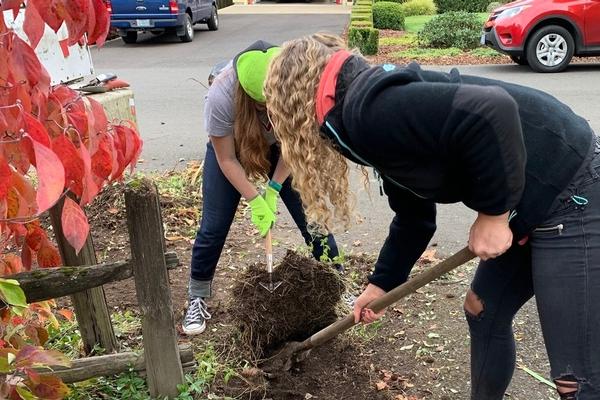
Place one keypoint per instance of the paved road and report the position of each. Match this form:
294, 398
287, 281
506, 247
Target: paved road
165, 75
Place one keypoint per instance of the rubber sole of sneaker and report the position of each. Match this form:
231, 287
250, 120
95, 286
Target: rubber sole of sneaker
192, 332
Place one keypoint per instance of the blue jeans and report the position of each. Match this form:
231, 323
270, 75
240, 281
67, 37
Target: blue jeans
220, 202
560, 266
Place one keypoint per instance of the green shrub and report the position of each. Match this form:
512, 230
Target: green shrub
453, 29
444, 6
361, 17
493, 5
388, 15
365, 39
393, 1
419, 7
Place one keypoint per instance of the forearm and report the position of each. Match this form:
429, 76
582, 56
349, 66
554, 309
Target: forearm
281, 172
236, 175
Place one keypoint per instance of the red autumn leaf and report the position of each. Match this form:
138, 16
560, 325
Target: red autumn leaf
100, 119
48, 256
68, 314
51, 176
35, 237
102, 159
36, 130
52, 12
26, 191
50, 387
90, 188
13, 5
34, 25
98, 36
75, 224
14, 265
77, 19
5, 177
16, 155
30, 356
78, 118
26, 67
91, 18
26, 257
72, 162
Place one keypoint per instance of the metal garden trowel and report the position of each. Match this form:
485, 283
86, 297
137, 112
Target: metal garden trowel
270, 286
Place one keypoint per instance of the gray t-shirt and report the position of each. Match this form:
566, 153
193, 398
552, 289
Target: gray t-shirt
219, 107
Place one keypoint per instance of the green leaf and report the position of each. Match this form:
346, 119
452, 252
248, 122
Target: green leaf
25, 393
11, 293
537, 376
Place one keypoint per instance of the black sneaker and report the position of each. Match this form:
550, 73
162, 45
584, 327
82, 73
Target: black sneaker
197, 313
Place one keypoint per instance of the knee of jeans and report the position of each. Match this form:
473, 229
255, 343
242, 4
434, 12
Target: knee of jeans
474, 306
568, 386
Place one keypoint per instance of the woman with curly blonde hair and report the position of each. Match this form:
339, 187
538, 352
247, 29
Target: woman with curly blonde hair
242, 151
521, 159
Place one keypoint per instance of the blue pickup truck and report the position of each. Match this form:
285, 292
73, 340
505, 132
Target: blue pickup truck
132, 16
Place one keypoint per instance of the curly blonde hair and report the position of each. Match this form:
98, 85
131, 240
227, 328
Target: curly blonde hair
320, 173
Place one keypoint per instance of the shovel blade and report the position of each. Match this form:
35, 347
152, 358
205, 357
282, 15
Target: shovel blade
270, 286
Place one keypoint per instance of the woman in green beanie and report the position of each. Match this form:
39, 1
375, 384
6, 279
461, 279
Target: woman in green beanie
242, 150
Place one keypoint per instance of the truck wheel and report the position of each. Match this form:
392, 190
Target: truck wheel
213, 21
550, 49
188, 30
130, 37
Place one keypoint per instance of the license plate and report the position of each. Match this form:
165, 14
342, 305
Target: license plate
142, 23
483, 39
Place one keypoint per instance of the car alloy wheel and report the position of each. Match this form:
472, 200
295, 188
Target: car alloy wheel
551, 50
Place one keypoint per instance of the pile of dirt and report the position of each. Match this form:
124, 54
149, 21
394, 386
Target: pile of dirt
305, 302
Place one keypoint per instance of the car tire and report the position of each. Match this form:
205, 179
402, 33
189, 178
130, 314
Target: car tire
213, 21
130, 37
521, 60
550, 49
188, 30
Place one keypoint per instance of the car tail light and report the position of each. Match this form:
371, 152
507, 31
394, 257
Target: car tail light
108, 6
174, 6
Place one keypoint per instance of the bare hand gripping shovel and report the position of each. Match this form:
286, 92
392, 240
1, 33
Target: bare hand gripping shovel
270, 286
294, 352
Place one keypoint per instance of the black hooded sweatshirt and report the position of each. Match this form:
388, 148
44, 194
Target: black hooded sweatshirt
445, 138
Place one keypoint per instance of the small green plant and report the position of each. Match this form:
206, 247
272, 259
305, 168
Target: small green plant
419, 7
453, 29
409, 39
388, 15
65, 338
369, 332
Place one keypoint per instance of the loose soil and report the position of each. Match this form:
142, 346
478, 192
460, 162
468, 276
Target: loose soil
420, 349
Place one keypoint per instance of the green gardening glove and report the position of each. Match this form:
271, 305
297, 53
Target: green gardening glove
262, 216
272, 195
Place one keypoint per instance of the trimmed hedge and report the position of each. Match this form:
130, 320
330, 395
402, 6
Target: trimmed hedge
453, 29
444, 6
419, 7
366, 39
361, 33
493, 5
388, 15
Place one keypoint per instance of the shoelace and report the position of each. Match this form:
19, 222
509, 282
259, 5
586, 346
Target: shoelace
198, 309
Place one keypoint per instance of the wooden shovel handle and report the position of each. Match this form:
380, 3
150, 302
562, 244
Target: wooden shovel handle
269, 243
391, 297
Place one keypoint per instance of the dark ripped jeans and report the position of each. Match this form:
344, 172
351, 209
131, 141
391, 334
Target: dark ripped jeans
221, 200
561, 266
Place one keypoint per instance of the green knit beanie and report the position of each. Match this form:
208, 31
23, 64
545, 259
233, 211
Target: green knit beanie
251, 66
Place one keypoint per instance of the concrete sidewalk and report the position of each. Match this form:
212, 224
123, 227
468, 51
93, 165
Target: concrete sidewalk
271, 8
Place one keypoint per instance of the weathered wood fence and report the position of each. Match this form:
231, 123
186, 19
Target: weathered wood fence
162, 359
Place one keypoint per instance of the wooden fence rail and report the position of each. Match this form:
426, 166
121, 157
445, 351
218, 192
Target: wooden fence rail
50, 283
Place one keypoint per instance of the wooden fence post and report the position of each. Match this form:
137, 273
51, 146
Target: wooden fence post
90, 306
163, 365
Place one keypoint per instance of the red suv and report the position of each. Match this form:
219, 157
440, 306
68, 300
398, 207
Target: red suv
545, 34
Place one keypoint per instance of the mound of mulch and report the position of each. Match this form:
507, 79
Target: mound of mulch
305, 302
